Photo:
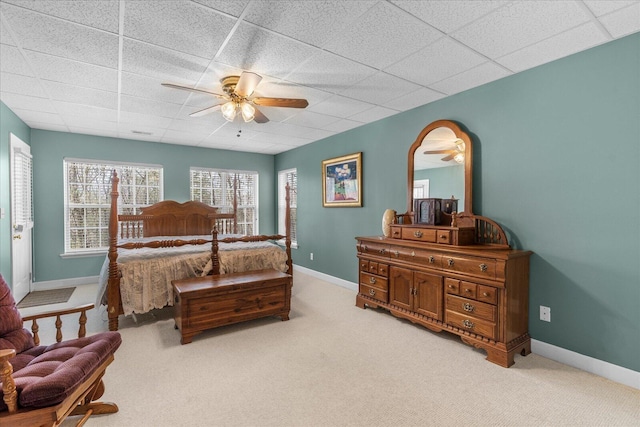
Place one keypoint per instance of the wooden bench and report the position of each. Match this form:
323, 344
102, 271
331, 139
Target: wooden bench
208, 302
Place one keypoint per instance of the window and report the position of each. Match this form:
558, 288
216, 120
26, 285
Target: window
88, 199
215, 188
288, 176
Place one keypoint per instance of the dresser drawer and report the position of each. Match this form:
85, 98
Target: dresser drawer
487, 294
472, 324
376, 268
419, 256
364, 265
375, 293
468, 307
374, 281
419, 234
452, 286
443, 236
378, 249
476, 266
468, 290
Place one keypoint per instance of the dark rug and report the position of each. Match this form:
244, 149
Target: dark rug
50, 296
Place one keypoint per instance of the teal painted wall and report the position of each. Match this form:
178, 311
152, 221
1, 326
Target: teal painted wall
9, 123
556, 163
50, 148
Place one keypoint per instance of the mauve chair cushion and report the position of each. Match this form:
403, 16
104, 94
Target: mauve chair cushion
46, 375
12, 333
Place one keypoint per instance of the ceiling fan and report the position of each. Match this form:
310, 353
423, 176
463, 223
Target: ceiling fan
456, 153
237, 98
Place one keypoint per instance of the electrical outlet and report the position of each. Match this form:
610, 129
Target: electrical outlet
545, 313
311, 256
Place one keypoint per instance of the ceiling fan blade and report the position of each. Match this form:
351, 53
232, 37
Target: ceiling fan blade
449, 157
247, 83
191, 89
281, 102
258, 117
206, 111
440, 152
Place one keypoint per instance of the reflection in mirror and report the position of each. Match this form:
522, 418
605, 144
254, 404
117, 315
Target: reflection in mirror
440, 165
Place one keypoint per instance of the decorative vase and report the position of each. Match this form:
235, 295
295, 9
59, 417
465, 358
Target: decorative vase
388, 219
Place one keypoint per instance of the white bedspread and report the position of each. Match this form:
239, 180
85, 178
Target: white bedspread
146, 273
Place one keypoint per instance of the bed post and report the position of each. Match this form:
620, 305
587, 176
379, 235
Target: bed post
113, 286
215, 261
235, 205
287, 226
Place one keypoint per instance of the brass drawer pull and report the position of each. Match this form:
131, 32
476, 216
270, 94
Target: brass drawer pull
467, 324
372, 280
450, 286
432, 259
450, 262
467, 290
443, 237
483, 267
413, 253
468, 307
365, 248
396, 253
372, 292
382, 252
485, 294
417, 234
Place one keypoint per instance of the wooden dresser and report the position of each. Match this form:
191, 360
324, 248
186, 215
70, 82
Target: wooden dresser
478, 292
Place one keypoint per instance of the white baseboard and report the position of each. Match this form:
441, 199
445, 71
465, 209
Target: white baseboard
604, 369
64, 283
327, 278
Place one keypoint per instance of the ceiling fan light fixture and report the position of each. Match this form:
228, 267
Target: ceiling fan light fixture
248, 112
229, 110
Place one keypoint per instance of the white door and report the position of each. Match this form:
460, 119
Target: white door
21, 216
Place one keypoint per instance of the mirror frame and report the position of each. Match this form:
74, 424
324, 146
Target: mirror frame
468, 162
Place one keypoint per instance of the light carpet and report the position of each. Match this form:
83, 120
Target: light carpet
333, 364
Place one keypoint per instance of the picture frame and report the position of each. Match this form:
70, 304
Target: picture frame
342, 181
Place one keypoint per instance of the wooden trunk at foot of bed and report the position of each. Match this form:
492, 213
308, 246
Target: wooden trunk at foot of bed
170, 218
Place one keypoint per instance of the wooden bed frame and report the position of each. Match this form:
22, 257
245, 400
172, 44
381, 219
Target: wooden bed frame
170, 218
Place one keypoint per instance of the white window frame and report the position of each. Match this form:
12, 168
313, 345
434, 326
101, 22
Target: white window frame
105, 200
224, 207
282, 182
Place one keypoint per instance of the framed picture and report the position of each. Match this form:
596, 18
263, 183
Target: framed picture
342, 181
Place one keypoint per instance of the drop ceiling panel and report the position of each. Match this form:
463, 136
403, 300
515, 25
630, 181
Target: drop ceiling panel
519, 25
16, 83
79, 95
311, 22
18, 101
102, 14
13, 61
252, 48
477, 76
188, 30
97, 66
42, 33
414, 99
367, 40
340, 106
373, 114
451, 56
329, 72
623, 22
602, 7
572, 41
53, 68
161, 63
233, 8
448, 16
379, 88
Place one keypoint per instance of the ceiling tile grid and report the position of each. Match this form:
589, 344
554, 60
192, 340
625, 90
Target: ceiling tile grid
96, 67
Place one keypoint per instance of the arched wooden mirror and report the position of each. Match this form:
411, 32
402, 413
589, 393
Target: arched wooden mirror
440, 165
